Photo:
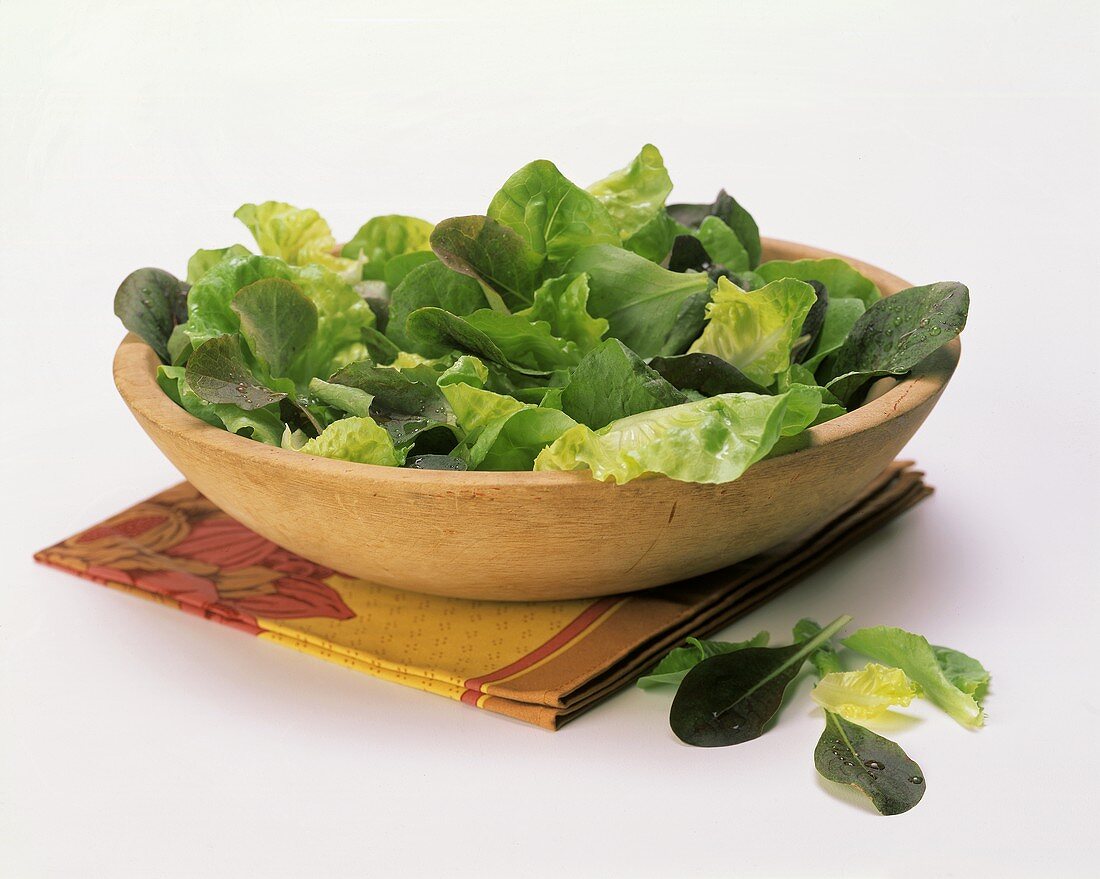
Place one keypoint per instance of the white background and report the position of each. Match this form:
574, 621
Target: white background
939, 140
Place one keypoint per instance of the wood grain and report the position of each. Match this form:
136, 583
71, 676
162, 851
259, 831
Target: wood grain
534, 536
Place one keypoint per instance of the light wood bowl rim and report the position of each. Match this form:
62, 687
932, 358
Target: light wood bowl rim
135, 367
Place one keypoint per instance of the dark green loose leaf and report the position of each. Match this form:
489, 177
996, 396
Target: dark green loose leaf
381, 348
688, 324
674, 667
641, 301
851, 754
811, 326
435, 462
150, 303
396, 396
689, 255
277, 321
726, 208
728, 699
612, 382
706, 373
895, 334
491, 253
441, 329
217, 373
431, 285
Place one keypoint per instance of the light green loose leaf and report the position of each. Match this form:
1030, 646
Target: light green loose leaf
261, 424
297, 236
641, 301
865, 694
654, 240
563, 304
840, 279
928, 667
755, 331
381, 239
722, 245
513, 441
466, 370
474, 408
556, 217
712, 440
354, 401
673, 668
635, 195
357, 439
202, 261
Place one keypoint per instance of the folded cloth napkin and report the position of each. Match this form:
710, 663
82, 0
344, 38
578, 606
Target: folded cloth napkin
540, 662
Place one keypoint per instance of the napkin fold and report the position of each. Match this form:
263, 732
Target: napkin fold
540, 662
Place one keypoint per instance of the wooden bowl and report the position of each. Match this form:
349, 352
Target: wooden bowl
530, 536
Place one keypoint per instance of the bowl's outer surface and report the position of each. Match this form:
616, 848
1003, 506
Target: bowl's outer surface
532, 536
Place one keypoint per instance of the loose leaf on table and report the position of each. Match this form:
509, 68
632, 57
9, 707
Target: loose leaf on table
277, 321
712, 440
202, 261
706, 373
674, 667
150, 303
725, 208
865, 694
640, 300
382, 239
842, 281
217, 373
895, 334
728, 699
850, 754
612, 382
635, 195
491, 253
756, 331
436, 286
824, 659
555, 216
357, 439
563, 304
929, 667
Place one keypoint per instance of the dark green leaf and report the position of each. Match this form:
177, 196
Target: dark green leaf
397, 397
674, 667
399, 266
851, 754
435, 462
726, 208
435, 285
641, 301
705, 373
297, 416
728, 699
150, 303
441, 329
277, 321
380, 348
491, 253
612, 382
811, 326
688, 324
895, 334
217, 373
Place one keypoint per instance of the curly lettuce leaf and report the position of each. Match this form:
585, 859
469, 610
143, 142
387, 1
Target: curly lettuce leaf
555, 216
202, 261
635, 195
382, 239
358, 439
929, 668
563, 304
865, 694
296, 235
840, 279
674, 667
755, 331
712, 440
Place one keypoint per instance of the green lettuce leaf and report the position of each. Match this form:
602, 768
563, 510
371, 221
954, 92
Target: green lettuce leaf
840, 316
151, 303
641, 301
613, 382
277, 321
755, 331
202, 261
673, 668
554, 216
722, 245
381, 239
705, 373
726, 209
353, 401
492, 254
474, 408
635, 195
432, 285
512, 442
563, 304
467, 370
262, 424
840, 279
357, 439
295, 235
712, 440
398, 267
865, 694
928, 667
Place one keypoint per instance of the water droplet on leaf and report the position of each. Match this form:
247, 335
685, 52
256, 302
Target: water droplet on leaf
916, 779
873, 764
